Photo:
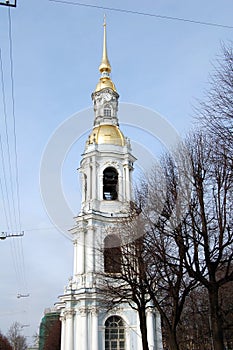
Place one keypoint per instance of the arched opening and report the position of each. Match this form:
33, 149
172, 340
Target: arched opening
107, 111
114, 333
110, 184
112, 254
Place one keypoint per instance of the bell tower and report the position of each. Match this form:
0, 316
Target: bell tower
107, 162
106, 168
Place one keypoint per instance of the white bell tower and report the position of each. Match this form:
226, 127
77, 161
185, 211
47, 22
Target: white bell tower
106, 168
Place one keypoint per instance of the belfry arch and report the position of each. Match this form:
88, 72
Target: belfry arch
110, 184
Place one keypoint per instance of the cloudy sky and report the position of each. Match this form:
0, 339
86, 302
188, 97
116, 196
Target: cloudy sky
161, 64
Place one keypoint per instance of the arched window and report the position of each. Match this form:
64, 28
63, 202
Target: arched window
107, 111
114, 333
112, 254
110, 182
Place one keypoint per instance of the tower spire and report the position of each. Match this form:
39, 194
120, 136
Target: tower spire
105, 64
105, 67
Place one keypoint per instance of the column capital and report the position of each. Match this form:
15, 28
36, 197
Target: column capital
69, 313
82, 311
150, 310
94, 311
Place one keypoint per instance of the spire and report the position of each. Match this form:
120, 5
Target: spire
105, 67
105, 64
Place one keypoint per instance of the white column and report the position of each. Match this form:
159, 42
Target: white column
69, 341
94, 181
89, 250
130, 184
78, 333
91, 182
88, 183
120, 190
138, 332
75, 257
94, 330
63, 329
159, 341
84, 187
150, 328
80, 253
127, 183
100, 187
83, 338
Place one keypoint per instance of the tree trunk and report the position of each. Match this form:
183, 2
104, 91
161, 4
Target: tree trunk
143, 328
172, 341
216, 320
171, 335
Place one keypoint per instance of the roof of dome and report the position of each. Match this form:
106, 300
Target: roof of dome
107, 134
105, 82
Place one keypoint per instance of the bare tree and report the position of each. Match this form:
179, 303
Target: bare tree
189, 215
194, 331
16, 339
207, 238
216, 112
162, 212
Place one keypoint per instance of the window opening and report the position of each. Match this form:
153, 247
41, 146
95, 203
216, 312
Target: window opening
110, 182
112, 254
107, 112
114, 333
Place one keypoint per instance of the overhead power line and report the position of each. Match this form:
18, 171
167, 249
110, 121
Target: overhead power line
14, 120
117, 9
9, 187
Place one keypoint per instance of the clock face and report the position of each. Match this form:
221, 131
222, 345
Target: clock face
107, 96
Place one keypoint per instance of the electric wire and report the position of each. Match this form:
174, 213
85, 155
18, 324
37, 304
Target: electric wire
14, 119
117, 9
6, 202
18, 246
9, 160
4, 207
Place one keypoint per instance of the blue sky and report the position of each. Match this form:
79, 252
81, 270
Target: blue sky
157, 63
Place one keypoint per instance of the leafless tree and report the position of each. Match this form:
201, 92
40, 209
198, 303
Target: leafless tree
194, 330
166, 195
207, 237
216, 112
16, 339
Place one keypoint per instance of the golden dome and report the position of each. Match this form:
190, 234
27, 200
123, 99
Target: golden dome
107, 134
105, 82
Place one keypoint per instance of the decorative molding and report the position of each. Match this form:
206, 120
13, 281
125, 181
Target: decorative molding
94, 311
69, 314
82, 311
150, 310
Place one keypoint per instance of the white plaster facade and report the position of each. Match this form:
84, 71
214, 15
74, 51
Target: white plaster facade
83, 318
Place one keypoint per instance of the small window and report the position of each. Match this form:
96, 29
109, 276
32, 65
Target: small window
110, 183
112, 254
107, 112
114, 333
